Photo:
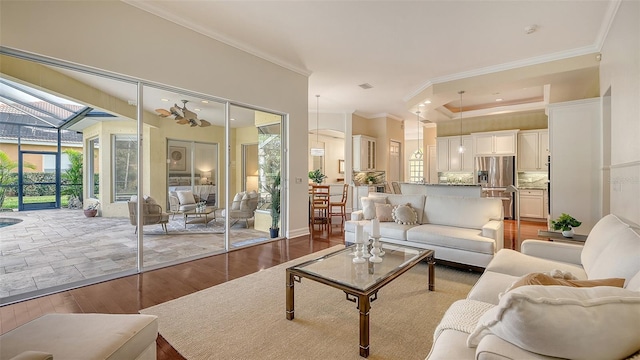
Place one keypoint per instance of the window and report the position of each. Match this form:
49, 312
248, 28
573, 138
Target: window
92, 162
416, 167
125, 167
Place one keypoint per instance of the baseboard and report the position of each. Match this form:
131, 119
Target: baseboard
297, 232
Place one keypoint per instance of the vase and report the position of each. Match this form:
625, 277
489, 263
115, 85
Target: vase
567, 233
90, 213
274, 233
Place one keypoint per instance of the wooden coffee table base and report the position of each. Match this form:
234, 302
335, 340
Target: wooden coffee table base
363, 299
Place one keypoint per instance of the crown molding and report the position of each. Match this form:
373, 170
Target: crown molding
609, 16
178, 20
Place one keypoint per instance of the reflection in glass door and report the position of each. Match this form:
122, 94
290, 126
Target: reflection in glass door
38, 190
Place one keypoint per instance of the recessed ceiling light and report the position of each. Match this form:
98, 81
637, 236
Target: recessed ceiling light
499, 99
196, 109
232, 119
530, 29
164, 99
421, 105
205, 101
428, 102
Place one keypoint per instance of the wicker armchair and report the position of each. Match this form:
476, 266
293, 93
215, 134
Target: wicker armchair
152, 213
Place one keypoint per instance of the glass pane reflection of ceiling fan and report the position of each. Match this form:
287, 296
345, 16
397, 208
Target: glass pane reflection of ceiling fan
183, 116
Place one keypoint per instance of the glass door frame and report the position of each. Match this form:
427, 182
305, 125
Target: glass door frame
44, 205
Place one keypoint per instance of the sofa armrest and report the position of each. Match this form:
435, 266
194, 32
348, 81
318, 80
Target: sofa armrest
494, 229
494, 348
357, 215
557, 251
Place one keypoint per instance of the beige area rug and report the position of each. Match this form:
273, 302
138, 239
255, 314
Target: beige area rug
245, 318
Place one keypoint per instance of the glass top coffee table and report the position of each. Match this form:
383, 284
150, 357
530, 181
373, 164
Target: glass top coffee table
360, 282
200, 216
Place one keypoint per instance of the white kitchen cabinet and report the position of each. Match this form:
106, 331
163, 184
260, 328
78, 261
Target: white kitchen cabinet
533, 149
364, 153
532, 204
450, 159
495, 143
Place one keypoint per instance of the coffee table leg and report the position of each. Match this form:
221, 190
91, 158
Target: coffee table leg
432, 274
364, 306
290, 288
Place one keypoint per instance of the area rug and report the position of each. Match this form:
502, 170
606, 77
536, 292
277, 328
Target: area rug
245, 318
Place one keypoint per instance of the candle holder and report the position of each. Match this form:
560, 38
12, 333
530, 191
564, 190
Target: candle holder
375, 250
359, 254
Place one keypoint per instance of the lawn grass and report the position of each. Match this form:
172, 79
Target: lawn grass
12, 202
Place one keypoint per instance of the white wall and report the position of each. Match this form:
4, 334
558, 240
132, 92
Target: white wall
620, 71
117, 37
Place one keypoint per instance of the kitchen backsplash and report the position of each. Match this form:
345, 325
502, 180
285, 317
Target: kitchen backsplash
362, 176
455, 178
537, 180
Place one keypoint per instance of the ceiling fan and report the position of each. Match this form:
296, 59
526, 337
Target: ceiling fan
183, 115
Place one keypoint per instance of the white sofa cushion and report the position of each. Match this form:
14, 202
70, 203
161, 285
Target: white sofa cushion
451, 237
415, 201
404, 214
369, 206
384, 212
612, 250
463, 212
490, 285
566, 322
511, 262
186, 197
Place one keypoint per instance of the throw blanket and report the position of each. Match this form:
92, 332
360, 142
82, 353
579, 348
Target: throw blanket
462, 315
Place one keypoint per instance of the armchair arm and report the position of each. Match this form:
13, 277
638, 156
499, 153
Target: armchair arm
357, 215
494, 229
174, 203
564, 252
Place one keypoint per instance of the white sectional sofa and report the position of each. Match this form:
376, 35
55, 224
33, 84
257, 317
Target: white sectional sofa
459, 229
550, 322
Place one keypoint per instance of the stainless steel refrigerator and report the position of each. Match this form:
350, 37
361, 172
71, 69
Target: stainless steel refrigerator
494, 174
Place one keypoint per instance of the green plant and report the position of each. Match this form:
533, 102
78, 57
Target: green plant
371, 179
274, 191
72, 177
93, 205
8, 176
317, 176
565, 222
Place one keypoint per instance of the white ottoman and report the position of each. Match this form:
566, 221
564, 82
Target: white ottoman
83, 336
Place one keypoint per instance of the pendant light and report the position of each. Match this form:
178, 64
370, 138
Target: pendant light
317, 151
419, 137
461, 147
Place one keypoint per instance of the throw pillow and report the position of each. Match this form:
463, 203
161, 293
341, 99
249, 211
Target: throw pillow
244, 203
235, 205
566, 322
369, 206
150, 200
185, 197
383, 212
404, 214
544, 279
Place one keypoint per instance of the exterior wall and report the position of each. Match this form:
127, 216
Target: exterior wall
620, 73
129, 41
11, 149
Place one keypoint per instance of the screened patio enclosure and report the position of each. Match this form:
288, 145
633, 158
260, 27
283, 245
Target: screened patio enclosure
53, 115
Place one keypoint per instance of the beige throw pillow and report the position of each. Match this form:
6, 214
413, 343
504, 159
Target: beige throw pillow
383, 212
405, 215
185, 197
544, 279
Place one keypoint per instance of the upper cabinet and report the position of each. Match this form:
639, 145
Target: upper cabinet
364, 153
450, 159
533, 150
495, 143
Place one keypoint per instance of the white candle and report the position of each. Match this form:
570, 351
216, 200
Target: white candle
359, 239
375, 228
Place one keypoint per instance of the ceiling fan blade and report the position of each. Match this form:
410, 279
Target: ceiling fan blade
182, 121
189, 114
204, 123
163, 112
175, 110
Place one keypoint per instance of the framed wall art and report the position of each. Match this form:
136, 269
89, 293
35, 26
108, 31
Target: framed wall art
177, 158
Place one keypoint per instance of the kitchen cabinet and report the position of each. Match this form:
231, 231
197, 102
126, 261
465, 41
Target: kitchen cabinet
532, 203
364, 153
495, 143
533, 149
450, 159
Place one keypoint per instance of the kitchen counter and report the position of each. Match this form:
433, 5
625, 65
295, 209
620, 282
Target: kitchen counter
467, 190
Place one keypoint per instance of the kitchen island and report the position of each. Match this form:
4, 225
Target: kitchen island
466, 190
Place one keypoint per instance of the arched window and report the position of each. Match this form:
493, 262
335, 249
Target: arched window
416, 167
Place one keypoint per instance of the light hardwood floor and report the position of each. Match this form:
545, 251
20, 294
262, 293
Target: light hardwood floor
129, 294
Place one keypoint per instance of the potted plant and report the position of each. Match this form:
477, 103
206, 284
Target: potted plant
92, 209
371, 179
317, 176
274, 207
566, 223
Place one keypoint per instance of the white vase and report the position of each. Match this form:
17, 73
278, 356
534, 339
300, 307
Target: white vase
568, 233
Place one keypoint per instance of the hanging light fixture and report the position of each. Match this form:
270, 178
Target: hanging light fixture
317, 151
419, 137
461, 147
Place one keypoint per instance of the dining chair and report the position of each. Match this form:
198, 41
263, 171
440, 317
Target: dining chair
339, 208
319, 202
396, 187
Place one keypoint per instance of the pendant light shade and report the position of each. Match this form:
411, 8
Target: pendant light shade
461, 147
317, 151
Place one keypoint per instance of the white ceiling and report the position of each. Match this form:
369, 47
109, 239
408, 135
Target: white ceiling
400, 47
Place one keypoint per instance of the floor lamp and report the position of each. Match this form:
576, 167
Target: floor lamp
514, 190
